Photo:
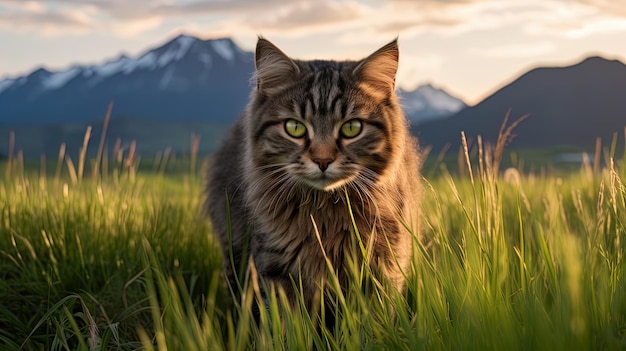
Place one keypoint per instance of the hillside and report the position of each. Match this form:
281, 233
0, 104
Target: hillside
570, 106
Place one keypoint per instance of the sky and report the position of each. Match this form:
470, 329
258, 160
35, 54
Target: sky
470, 48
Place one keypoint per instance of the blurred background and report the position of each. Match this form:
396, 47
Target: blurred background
178, 71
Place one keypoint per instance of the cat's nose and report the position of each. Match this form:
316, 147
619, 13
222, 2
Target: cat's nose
323, 162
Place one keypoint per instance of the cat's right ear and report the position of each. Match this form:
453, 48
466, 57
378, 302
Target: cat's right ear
377, 72
274, 69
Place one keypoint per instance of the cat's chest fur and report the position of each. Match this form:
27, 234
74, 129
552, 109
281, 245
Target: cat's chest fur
300, 228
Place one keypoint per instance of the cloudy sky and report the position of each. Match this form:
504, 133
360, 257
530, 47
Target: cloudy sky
468, 47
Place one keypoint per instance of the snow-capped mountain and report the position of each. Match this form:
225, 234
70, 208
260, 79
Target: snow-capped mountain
186, 85
428, 102
185, 79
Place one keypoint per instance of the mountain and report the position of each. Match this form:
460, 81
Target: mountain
186, 79
567, 106
427, 103
161, 96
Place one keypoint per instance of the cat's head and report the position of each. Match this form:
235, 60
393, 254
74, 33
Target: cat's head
324, 124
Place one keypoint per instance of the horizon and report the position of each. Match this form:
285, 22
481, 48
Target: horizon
469, 48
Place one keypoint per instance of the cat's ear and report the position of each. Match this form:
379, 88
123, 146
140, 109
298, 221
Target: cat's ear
377, 72
274, 69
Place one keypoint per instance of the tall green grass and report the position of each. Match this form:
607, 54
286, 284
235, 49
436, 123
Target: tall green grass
71, 248
121, 259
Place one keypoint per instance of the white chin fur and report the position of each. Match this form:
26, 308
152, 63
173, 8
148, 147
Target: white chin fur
326, 184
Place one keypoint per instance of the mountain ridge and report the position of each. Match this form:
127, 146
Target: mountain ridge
158, 80
567, 106
184, 85
220, 69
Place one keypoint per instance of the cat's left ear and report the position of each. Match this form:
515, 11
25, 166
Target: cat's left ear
378, 71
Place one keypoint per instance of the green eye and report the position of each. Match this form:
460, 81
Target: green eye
295, 128
351, 129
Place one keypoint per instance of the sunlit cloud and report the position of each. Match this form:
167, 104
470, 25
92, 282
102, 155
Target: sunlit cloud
580, 18
308, 16
614, 25
453, 18
34, 17
134, 27
571, 18
609, 7
516, 50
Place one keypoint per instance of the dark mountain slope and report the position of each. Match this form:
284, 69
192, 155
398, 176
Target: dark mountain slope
566, 105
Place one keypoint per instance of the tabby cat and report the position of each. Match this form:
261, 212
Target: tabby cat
316, 137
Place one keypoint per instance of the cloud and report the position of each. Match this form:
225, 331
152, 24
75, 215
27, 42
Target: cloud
424, 22
563, 18
231, 7
276, 17
286, 18
361, 19
609, 7
308, 15
133, 27
76, 17
124, 17
456, 17
42, 20
434, 3
48, 18
579, 18
576, 30
516, 50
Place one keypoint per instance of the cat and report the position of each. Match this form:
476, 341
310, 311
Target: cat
317, 136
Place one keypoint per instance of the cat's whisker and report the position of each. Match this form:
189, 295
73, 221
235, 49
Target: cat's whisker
367, 186
285, 187
306, 198
264, 181
274, 190
272, 165
278, 168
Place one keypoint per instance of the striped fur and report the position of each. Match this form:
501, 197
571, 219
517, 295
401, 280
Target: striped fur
277, 189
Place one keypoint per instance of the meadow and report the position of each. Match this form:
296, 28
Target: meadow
114, 254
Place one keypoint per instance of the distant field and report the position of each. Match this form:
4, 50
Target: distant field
149, 136
119, 258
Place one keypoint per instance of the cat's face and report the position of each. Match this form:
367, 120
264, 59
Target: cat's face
324, 124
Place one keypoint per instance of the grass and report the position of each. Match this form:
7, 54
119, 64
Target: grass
121, 259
